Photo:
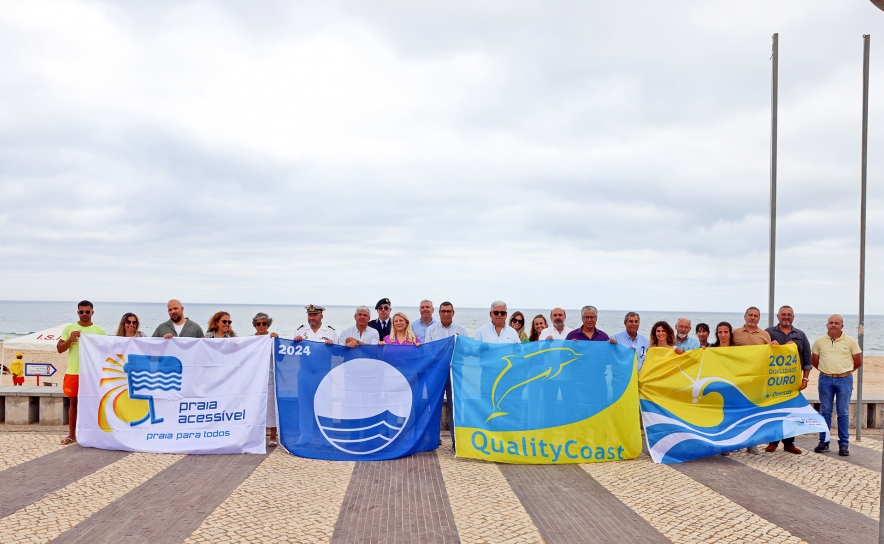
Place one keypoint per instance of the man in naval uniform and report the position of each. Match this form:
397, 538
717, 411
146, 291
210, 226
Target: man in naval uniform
314, 330
383, 324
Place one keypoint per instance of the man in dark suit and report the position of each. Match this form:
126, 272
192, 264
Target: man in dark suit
383, 324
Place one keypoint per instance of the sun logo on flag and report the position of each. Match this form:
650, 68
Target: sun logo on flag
129, 385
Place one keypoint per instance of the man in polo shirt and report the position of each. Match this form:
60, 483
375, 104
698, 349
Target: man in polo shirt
836, 356
590, 316
70, 342
383, 324
784, 333
421, 325
683, 340
497, 332
750, 334
359, 334
631, 338
557, 331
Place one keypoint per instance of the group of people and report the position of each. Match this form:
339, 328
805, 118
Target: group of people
835, 355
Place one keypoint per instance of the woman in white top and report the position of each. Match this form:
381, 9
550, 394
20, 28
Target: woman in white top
262, 323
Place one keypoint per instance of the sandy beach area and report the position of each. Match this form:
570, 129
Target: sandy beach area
873, 377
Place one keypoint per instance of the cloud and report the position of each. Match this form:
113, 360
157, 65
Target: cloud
546, 153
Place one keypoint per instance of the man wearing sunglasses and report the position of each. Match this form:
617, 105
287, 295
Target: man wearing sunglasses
177, 325
383, 324
498, 332
70, 342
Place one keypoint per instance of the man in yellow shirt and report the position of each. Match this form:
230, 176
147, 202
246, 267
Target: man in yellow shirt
69, 342
17, 369
836, 356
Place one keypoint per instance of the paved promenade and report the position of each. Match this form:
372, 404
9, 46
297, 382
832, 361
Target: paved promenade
66, 494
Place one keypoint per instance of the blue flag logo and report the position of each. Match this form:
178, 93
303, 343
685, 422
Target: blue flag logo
360, 404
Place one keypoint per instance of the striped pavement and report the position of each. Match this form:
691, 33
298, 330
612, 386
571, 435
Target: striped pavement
73, 494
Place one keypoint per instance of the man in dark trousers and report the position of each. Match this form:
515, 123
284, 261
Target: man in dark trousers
784, 333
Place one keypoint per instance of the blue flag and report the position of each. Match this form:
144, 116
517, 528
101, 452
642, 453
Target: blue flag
366, 403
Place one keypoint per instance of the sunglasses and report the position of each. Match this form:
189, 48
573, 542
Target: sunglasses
383, 307
517, 320
84, 312
131, 322
226, 321
498, 312
262, 324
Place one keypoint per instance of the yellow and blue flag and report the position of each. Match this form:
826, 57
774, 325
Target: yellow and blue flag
549, 402
716, 400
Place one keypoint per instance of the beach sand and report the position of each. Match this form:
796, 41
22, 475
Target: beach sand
873, 378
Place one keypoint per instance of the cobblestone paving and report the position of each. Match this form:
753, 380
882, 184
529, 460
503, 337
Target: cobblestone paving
282, 498
16, 450
486, 511
680, 508
51, 516
270, 502
849, 485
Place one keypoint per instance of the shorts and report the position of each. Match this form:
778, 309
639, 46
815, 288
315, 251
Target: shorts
71, 386
18, 380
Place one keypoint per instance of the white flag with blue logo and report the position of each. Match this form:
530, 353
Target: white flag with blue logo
181, 395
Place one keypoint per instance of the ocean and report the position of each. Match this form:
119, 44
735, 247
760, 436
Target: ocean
18, 318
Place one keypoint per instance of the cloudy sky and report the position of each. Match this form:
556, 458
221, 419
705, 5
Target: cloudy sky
546, 153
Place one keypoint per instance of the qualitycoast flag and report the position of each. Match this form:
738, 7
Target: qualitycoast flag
183, 395
710, 401
360, 404
555, 401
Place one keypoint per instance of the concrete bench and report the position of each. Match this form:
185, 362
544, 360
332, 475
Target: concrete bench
32, 404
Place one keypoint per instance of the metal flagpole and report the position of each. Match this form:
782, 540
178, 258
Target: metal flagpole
773, 179
860, 415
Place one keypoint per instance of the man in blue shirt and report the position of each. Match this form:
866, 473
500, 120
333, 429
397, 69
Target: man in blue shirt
684, 342
421, 325
631, 339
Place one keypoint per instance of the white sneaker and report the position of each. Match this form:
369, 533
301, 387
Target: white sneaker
753, 450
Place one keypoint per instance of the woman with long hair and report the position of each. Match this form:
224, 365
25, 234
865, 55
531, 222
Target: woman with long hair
702, 330
262, 323
724, 335
401, 335
517, 321
129, 326
538, 325
220, 326
662, 335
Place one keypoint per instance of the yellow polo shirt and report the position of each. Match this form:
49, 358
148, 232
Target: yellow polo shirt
836, 356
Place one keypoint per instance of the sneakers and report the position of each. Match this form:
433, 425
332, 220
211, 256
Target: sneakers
822, 448
842, 450
753, 450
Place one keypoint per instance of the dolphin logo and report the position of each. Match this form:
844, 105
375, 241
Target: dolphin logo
547, 374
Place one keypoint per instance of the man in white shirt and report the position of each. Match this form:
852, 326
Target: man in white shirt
315, 331
425, 322
446, 326
359, 334
557, 331
497, 332
631, 338
442, 329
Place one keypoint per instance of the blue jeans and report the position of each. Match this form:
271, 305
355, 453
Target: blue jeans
836, 391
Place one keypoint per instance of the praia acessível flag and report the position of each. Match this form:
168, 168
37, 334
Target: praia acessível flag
549, 402
181, 395
360, 404
716, 400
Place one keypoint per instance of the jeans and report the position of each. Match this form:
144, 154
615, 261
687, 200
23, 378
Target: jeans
449, 405
839, 391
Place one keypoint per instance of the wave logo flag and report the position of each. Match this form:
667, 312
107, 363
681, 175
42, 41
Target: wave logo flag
550, 402
716, 400
182, 395
363, 403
